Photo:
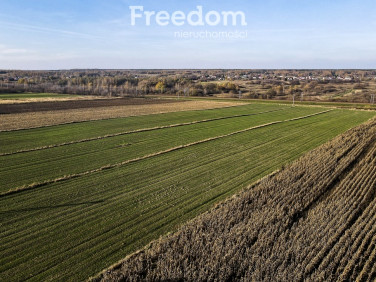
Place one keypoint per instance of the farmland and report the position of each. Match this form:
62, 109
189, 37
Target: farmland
312, 221
76, 198
75, 104
347, 105
26, 120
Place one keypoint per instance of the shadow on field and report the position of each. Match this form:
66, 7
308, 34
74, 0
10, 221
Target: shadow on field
52, 207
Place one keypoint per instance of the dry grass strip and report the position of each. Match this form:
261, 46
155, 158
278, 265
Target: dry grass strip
50, 99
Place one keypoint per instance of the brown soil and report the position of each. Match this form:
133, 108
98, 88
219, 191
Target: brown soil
76, 104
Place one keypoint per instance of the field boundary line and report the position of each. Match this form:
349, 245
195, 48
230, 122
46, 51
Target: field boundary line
131, 132
111, 166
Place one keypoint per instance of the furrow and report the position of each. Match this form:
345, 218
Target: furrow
133, 131
110, 166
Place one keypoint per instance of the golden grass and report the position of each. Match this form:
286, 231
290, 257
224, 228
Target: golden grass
50, 99
48, 118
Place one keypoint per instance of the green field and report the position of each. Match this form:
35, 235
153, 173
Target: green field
90, 218
345, 105
18, 96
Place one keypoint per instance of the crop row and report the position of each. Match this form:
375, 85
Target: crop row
73, 229
314, 221
12, 141
26, 168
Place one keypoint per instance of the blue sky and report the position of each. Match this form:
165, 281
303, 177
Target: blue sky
57, 34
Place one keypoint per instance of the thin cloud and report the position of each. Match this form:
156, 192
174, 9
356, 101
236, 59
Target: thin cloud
284, 30
22, 27
4, 50
13, 51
